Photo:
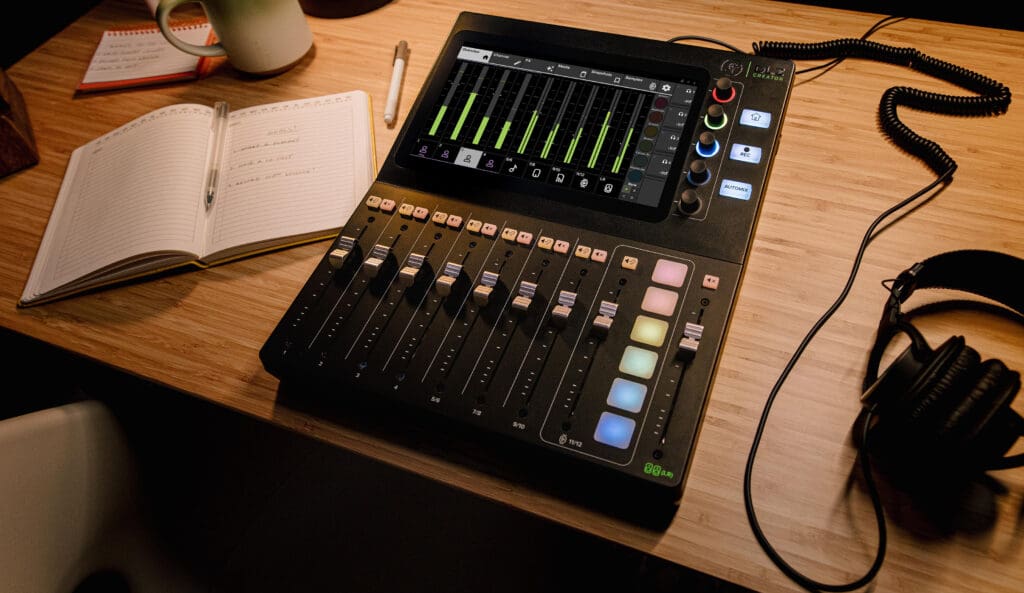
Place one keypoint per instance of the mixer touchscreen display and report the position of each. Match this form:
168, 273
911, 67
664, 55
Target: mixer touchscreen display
600, 134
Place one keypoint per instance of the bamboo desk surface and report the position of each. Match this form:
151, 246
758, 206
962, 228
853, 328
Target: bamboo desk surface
199, 332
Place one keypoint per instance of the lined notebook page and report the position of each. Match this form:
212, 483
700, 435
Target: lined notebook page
292, 168
142, 55
134, 190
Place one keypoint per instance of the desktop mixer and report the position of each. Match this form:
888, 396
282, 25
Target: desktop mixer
552, 250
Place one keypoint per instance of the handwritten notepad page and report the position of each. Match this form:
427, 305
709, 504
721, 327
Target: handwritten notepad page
133, 56
292, 168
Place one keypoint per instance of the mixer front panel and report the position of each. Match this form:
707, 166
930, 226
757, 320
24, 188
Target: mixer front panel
552, 334
553, 246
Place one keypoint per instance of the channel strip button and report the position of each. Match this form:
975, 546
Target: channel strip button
614, 430
669, 273
627, 395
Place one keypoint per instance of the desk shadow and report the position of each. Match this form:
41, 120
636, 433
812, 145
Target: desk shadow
631, 500
929, 497
936, 504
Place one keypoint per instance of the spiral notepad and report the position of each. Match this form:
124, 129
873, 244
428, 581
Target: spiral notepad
141, 55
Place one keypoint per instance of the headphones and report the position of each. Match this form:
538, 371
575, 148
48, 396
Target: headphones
945, 408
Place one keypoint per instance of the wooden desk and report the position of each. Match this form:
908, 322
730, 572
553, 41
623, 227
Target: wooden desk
835, 172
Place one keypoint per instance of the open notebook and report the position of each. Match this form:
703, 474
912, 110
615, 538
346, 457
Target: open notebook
134, 201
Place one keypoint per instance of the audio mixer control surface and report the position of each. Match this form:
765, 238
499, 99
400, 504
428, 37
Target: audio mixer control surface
553, 247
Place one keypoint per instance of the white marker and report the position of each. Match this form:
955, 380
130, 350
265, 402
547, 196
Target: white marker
401, 55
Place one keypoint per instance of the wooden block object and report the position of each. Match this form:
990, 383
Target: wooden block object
17, 144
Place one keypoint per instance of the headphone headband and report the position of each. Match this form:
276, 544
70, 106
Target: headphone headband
989, 274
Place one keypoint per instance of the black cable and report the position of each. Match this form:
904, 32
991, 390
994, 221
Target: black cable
992, 98
707, 39
876, 502
883, 23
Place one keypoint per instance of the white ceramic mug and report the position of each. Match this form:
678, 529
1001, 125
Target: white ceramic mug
261, 37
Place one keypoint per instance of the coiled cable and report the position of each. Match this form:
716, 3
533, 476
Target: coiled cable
992, 97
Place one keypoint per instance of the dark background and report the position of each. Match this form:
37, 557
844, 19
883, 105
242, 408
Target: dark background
39, 21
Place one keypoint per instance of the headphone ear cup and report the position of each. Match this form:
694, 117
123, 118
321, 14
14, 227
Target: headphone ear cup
912, 396
994, 388
939, 389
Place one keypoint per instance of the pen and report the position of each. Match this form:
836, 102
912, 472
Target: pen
220, 119
401, 55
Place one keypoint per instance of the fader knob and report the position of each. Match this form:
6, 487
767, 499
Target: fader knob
715, 117
444, 285
336, 258
689, 202
698, 173
482, 295
724, 91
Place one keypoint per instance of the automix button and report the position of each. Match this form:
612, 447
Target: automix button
735, 189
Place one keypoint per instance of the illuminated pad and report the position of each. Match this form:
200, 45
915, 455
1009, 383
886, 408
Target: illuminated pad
659, 301
614, 430
627, 395
669, 273
648, 330
638, 362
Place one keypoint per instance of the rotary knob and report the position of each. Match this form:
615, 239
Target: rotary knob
715, 118
698, 173
689, 202
707, 145
724, 91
